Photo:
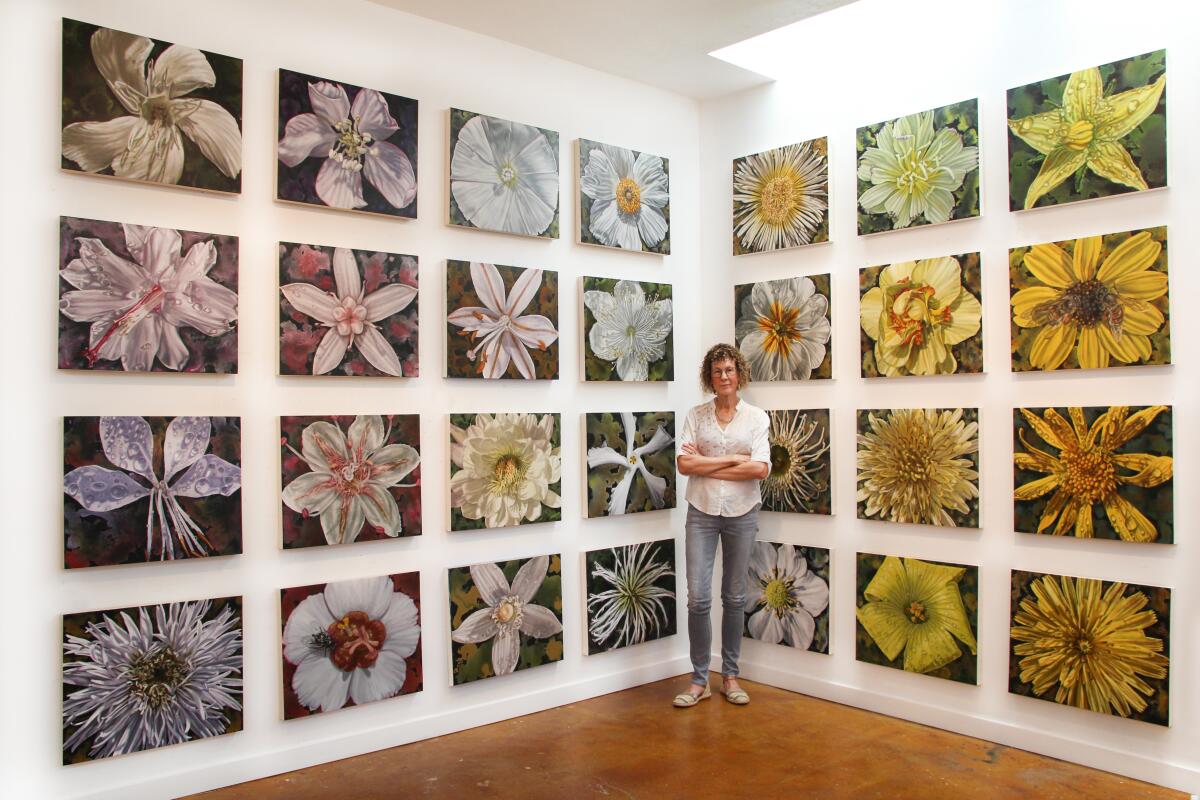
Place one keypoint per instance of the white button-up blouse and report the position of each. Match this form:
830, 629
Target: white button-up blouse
746, 433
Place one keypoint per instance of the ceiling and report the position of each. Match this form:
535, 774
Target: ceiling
664, 43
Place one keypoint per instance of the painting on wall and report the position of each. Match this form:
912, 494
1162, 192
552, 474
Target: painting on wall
1091, 303
630, 595
350, 479
134, 298
630, 462
503, 175
347, 643
781, 198
919, 465
150, 676
505, 616
783, 328
921, 169
150, 111
1095, 473
921, 317
1095, 645
628, 331
624, 199
347, 312
918, 616
787, 596
116, 508
343, 146
501, 322
1098, 132
799, 480
505, 470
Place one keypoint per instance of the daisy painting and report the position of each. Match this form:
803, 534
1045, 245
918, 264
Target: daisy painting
628, 330
783, 328
624, 199
781, 198
150, 111
630, 595
787, 596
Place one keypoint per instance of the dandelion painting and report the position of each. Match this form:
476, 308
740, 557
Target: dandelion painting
150, 676
921, 317
351, 642
1094, 133
343, 146
1095, 473
1094, 645
505, 616
350, 479
630, 595
118, 510
347, 312
787, 596
781, 198
624, 199
501, 322
922, 169
505, 470
918, 616
628, 332
150, 111
1090, 303
503, 175
799, 480
783, 328
138, 299
919, 465
630, 462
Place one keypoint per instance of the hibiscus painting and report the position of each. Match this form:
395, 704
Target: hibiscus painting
139, 489
150, 111
346, 147
630, 462
787, 596
347, 312
781, 198
503, 175
505, 616
624, 199
350, 479
347, 643
628, 330
134, 298
501, 322
783, 328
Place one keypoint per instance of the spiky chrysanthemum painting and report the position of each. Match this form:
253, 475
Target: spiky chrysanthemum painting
1097, 132
624, 199
781, 198
1095, 645
630, 594
787, 596
799, 480
630, 462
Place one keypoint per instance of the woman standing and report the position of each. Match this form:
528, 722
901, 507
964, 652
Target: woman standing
725, 453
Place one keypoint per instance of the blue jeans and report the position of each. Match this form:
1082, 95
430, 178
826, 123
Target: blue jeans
736, 535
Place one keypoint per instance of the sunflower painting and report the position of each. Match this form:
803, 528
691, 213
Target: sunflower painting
799, 481
921, 169
1094, 133
921, 317
783, 328
918, 616
1089, 303
1095, 645
1095, 473
624, 199
781, 198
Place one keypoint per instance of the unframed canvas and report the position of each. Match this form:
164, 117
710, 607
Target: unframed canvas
630, 462
624, 199
630, 595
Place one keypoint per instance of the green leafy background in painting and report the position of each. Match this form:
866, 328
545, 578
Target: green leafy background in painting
460, 292
820, 471
962, 117
585, 205
1157, 703
968, 353
471, 662
87, 98
817, 559
1157, 502
964, 669
460, 523
458, 118
821, 234
596, 368
661, 552
1020, 278
742, 290
607, 429
1147, 143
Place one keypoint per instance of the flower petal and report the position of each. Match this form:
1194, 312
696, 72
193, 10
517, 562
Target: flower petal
1085, 257
311, 492
320, 442
1112, 161
1124, 111
100, 489
371, 110
1059, 165
310, 616
506, 649
345, 273
329, 102
393, 463
308, 299
1042, 131
489, 285
186, 440
179, 70
172, 352
389, 170
94, 146
305, 135
87, 305
519, 356
378, 351
1136, 254
887, 626
214, 130
129, 444
478, 627
365, 435
383, 679
524, 289
539, 622
121, 59
618, 499
1052, 346
1129, 523
535, 330
605, 456
210, 475
1081, 94
799, 628
330, 352
530, 578
491, 583
1050, 264
153, 154
372, 596
339, 186
388, 300
1149, 471
403, 624
319, 684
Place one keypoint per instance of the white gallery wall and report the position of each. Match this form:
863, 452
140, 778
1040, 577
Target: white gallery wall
876, 60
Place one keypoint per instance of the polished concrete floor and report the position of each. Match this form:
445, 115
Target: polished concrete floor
632, 744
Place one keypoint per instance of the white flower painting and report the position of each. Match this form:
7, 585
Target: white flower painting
505, 469
783, 328
624, 199
630, 462
630, 595
627, 329
787, 596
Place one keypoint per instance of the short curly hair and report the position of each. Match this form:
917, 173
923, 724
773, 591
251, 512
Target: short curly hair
723, 352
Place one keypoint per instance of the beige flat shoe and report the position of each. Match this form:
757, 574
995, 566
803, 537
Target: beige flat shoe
738, 697
687, 699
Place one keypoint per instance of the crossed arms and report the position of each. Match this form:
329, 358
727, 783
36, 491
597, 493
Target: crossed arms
737, 467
